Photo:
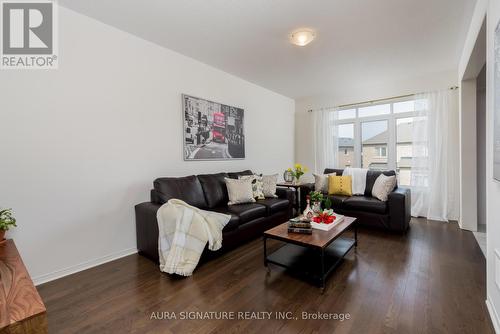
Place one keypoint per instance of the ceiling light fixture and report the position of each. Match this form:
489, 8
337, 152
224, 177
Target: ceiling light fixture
302, 37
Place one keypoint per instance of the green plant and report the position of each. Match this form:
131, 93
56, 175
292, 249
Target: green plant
327, 203
6, 219
316, 196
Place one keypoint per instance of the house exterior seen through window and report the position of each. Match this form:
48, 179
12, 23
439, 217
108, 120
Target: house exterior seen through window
377, 137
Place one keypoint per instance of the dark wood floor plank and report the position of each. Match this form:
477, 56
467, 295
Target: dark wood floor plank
430, 280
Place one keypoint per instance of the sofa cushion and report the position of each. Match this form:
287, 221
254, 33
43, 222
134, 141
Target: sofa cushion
338, 200
274, 205
371, 177
236, 175
246, 212
233, 223
186, 188
365, 203
214, 188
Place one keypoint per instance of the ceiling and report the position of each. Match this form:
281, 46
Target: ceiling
358, 41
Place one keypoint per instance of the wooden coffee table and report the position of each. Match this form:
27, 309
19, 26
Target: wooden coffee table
314, 255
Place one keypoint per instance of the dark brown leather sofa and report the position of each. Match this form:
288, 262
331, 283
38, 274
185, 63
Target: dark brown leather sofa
209, 192
392, 215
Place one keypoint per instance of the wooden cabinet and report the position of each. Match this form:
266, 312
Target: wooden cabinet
21, 308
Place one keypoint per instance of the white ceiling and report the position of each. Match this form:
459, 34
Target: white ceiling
358, 41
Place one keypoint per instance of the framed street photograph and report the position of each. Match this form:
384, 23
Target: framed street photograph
212, 131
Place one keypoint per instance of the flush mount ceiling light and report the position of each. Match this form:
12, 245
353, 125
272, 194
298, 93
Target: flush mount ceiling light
302, 37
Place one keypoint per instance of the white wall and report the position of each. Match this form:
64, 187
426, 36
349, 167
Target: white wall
492, 10
468, 167
81, 145
481, 146
468, 73
493, 187
304, 127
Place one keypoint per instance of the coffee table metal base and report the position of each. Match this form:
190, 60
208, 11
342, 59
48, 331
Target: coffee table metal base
312, 263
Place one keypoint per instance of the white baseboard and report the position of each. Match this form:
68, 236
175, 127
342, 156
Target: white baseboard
493, 315
82, 266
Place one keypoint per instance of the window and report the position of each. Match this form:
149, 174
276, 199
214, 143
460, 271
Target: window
374, 138
404, 149
379, 136
346, 114
381, 151
346, 145
376, 110
405, 106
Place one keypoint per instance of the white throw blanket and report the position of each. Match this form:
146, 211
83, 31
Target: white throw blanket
183, 233
358, 179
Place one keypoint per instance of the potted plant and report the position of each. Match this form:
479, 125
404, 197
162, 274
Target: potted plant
327, 203
297, 171
316, 199
6, 222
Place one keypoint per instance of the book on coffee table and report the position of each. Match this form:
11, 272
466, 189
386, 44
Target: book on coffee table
299, 224
327, 227
300, 230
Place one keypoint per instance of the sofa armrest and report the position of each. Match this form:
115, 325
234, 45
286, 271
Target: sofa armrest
399, 203
305, 189
289, 194
147, 229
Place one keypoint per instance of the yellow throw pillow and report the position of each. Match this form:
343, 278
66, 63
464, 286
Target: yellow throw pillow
340, 185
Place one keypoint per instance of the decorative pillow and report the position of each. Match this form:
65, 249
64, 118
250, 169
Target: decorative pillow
340, 185
257, 185
239, 191
321, 182
383, 186
269, 185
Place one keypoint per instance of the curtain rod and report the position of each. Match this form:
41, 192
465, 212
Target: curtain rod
373, 101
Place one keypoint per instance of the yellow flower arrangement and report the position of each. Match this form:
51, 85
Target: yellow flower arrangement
298, 170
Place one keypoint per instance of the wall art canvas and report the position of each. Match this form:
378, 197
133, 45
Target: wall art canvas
212, 131
496, 125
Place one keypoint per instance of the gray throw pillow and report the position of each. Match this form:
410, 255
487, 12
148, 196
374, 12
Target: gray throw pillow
269, 185
257, 185
239, 191
383, 186
321, 182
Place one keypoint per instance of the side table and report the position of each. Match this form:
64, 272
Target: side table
296, 187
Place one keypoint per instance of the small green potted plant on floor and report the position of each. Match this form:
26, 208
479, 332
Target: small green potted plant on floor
6, 222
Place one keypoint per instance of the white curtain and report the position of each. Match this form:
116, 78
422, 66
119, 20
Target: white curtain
325, 140
435, 162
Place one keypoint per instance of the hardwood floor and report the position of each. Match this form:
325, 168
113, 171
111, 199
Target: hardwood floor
431, 280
